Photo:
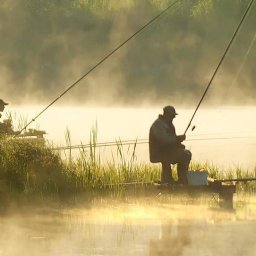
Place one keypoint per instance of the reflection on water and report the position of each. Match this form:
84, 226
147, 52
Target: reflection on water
129, 229
136, 228
173, 240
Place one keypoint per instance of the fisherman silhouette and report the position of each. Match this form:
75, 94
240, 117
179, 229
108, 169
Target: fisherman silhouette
165, 147
6, 125
2, 106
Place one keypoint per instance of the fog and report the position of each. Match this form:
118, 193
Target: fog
47, 45
224, 136
134, 228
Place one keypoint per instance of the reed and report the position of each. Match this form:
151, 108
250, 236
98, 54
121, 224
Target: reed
31, 167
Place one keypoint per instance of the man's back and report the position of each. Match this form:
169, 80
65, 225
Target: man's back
162, 137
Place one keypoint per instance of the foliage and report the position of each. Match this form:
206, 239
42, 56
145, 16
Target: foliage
30, 167
46, 43
6, 127
202, 8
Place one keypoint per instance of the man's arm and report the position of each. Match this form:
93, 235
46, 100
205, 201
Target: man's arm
181, 138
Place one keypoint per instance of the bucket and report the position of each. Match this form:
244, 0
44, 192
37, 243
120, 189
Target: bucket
197, 178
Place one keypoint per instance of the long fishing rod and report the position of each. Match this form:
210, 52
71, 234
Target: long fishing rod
138, 142
220, 62
99, 63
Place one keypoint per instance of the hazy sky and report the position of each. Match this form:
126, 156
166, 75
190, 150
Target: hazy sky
46, 45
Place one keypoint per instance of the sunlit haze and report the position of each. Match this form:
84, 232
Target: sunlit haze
223, 136
95, 75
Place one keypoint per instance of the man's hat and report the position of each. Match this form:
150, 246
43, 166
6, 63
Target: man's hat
2, 102
169, 110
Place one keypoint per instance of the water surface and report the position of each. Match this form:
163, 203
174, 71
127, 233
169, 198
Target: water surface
130, 228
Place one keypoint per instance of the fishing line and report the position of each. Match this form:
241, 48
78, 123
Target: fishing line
243, 63
220, 62
100, 62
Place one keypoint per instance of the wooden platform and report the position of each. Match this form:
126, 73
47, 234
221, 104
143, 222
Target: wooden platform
224, 190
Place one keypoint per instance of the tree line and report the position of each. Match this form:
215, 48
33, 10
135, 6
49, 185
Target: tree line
47, 44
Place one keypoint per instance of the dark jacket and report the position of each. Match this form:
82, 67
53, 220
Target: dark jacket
162, 140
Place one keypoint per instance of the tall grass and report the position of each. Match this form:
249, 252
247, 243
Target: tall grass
122, 168
31, 167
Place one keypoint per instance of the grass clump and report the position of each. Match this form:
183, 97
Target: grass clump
33, 168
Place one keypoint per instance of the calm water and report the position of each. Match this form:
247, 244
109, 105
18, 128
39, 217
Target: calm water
130, 229
223, 136
138, 228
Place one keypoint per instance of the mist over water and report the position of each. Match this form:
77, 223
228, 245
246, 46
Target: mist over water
133, 228
47, 45
156, 225
224, 136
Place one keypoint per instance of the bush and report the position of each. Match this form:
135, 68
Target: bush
29, 166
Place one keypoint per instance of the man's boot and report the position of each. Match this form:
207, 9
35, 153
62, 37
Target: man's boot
166, 174
182, 170
182, 167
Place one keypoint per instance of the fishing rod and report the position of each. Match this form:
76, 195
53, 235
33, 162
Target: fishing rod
100, 62
133, 183
220, 62
138, 142
102, 144
236, 180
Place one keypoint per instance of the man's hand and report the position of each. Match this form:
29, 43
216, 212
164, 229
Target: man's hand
181, 138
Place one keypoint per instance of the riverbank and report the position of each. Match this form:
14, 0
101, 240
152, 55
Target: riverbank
33, 169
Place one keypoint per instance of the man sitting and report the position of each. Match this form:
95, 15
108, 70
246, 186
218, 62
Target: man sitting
165, 147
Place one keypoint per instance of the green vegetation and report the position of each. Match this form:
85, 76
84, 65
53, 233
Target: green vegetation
46, 45
29, 167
